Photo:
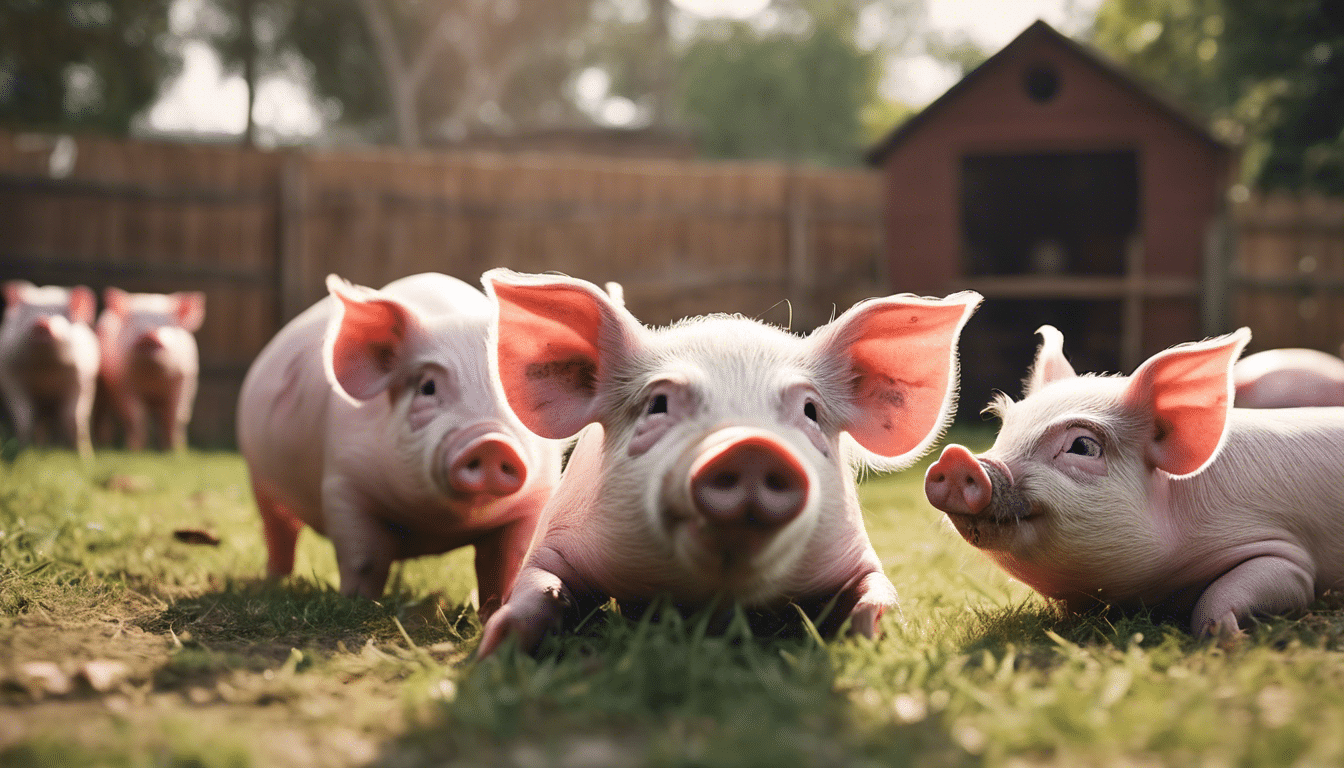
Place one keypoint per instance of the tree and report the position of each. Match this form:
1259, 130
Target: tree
80, 64
1270, 75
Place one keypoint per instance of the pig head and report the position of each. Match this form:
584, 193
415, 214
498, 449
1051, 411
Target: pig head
49, 361
716, 455
150, 362
372, 417
1151, 490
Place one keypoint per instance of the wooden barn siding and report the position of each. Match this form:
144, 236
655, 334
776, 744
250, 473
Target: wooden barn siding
1287, 276
259, 231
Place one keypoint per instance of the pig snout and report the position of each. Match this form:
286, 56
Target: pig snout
490, 465
752, 482
957, 483
149, 342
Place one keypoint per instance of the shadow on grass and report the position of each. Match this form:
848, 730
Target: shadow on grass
269, 618
665, 688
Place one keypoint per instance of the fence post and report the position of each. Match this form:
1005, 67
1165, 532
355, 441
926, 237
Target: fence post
1219, 250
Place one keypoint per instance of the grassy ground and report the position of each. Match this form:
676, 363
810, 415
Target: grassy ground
121, 645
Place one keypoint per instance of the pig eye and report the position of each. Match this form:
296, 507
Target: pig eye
657, 404
1085, 446
810, 410
427, 388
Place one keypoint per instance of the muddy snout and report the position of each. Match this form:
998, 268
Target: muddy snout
751, 482
489, 465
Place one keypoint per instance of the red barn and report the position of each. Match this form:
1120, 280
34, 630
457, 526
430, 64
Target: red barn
1067, 193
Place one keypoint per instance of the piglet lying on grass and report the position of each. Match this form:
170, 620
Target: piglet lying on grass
1289, 378
372, 418
1151, 490
717, 463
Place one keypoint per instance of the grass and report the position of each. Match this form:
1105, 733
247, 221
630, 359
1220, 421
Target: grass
215, 668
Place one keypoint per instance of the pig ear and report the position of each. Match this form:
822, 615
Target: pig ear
1187, 392
898, 356
118, 301
14, 291
366, 340
83, 304
190, 309
556, 339
1050, 365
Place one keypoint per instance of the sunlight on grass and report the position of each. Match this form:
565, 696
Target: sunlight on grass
217, 667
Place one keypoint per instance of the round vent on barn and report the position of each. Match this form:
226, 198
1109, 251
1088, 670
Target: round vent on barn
1041, 82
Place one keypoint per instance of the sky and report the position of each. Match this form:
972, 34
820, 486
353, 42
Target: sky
204, 99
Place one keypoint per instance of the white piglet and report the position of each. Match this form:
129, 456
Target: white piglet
150, 363
1152, 490
715, 460
372, 418
49, 361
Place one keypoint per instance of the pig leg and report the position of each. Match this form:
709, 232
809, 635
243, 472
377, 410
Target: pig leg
871, 595
133, 417
1260, 586
281, 528
499, 556
75, 416
538, 603
20, 408
175, 416
365, 547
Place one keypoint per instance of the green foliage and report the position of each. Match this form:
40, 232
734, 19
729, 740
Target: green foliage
1271, 75
81, 64
225, 670
794, 96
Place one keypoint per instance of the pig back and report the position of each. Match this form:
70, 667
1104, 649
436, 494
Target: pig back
1278, 480
282, 414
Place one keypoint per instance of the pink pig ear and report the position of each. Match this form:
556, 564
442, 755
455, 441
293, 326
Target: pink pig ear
117, 301
1050, 365
555, 340
14, 291
190, 309
1187, 391
900, 353
366, 340
83, 304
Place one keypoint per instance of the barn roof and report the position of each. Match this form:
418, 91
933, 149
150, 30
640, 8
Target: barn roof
1042, 33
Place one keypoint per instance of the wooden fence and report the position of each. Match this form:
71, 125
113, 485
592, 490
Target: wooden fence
259, 231
1287, 275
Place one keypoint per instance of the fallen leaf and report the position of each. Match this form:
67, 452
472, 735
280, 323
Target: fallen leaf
196, 536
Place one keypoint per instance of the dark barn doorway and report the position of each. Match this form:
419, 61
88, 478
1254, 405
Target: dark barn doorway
1046, 221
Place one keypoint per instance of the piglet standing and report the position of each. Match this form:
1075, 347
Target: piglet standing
715, 455
372, 418
1152, 490
150, 363
49, 361
1289, 378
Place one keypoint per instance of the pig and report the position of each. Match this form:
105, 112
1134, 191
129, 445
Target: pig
714, 456
1153, 491
1289, 378
150, 363
49, 361
372, 418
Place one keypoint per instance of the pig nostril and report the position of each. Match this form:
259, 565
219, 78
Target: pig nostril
724, 480
509, 470
777, 482
475, 463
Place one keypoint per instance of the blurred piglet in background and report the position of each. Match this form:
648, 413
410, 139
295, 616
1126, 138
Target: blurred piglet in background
715, 460
150, 363
49, 361
1289, 378
1152, 490
372, 418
